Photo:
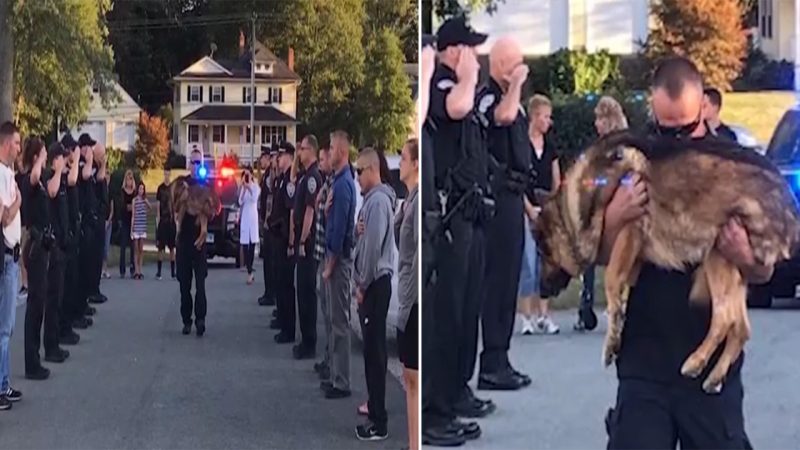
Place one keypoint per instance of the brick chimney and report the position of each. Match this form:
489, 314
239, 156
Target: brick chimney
290, 59
242, 42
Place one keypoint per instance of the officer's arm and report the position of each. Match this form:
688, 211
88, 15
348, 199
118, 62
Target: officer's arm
72, 177
87, 167
53, 185
506, 111
461, 98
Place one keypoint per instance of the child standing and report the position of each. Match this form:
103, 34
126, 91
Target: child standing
140, 207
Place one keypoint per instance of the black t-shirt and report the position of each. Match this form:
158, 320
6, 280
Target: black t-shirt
59, 214
308, 186
544, 170
127, 200
163, 197
88, 198
281, 207
509, 144
39, 201
662, 329
460, 144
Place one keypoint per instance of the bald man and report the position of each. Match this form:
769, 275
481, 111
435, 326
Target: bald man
510, 159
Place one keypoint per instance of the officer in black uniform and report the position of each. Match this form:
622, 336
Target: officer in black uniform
70, 309
500, 111
278, 229
264, 204
191, 261
100, 184
305, 233
43, 187
462, 184
91, 221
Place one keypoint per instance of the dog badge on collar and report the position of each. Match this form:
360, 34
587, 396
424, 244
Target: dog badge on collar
312, 185
445, 84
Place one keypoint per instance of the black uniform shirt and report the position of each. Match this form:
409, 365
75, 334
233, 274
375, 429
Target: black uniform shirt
509, 144
281, 209
101, 195
460, 144
88, 197
39, 201
163, 197
428, 192
190, 230
266, 192
308, 187
59, 214
662, 329
73, 198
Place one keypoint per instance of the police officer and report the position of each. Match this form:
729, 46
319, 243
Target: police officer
100, 184
461, 180
90, 224
510, 149
304, 218
71, 311
43, 186
191, 260
278, 229
264, 206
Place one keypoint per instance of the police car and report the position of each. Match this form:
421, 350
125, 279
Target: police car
784, 151
393, 162
223, 230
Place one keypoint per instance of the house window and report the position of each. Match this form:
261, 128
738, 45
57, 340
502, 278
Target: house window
275, 95
246, 94
270, 134
194, 133
246, 131
217, 94
218, 133
194, 93
765, 10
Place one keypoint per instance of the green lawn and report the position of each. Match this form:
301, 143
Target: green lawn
759, 112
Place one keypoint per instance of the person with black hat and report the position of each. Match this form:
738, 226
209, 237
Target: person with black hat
278, 228
462, 183
191, 261
71, 306
264, 207
44, 184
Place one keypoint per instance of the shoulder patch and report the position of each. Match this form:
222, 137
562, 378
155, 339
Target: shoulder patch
312, 185
445, 84
290, 189
485, 102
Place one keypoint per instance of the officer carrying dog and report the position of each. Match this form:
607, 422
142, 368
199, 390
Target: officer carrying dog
501, 113
462, 184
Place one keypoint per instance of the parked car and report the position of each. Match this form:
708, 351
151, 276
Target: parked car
223, 230
784, 151
745, 138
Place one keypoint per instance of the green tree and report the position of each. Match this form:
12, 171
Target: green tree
709, 32
152, 143
449, 8
384, 101
400, 17
60, 50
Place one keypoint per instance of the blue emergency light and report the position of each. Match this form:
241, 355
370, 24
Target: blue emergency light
202, 172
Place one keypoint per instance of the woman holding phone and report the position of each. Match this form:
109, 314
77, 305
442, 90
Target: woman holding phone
248, 229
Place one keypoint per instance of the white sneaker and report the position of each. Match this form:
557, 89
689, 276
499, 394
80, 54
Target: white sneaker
545, 325
527, 326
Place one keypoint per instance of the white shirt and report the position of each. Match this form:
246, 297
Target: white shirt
8, 194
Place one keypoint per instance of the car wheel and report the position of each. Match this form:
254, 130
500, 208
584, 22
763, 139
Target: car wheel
759, 296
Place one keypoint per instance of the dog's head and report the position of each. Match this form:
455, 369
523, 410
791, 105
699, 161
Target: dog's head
569, 228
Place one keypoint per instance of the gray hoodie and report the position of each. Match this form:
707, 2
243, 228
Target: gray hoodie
375, 249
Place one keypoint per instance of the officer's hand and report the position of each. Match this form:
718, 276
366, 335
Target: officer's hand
76, 155
359, 296
428, 62
518, 76
467, 67
58, 165
628, 202
326, 274
302, 251
734, 245
42, 158
290, 252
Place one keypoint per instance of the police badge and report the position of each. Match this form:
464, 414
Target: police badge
312, 185
290, 189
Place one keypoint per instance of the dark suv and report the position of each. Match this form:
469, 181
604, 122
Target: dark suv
223, 229
784, 152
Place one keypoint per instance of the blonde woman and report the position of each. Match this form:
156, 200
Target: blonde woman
608, 117
125, 215
545, 162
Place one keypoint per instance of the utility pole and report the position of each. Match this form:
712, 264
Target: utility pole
796, 19
253, 90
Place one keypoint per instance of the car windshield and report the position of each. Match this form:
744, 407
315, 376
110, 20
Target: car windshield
226, 188
785, 144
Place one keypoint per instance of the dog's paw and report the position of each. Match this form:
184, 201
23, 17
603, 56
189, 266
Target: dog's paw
693, 365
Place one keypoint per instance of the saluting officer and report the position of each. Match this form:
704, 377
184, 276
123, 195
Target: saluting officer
304, 218
461, 180
510, 150
72, 311
264, 206
99, 182
90, 223
278, 222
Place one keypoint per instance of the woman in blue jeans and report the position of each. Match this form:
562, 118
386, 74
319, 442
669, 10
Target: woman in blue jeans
128, 193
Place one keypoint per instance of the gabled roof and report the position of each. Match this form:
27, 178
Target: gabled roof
239, 68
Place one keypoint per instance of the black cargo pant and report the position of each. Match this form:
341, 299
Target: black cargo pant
307, 300
372, 312
40, 306
284, 286
70, 305
458, 302
269, 266
504, 246
658, 416
192, 263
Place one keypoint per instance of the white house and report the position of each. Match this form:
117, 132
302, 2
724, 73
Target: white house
546, 26
777, 32
114, 127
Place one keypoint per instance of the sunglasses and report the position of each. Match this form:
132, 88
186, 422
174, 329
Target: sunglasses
195, 163
681, 131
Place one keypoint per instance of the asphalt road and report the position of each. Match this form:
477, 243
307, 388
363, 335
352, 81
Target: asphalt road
134, 382
571, 391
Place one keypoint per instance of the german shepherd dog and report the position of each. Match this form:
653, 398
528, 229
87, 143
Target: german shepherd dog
197, 200
694, 189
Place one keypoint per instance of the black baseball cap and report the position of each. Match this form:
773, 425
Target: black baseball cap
286, 147
68, 141
55, 150
428, 40
274, 149
456, 31
265, 149
85, 140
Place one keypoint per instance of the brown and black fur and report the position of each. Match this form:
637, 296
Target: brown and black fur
197, 200
694, 189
